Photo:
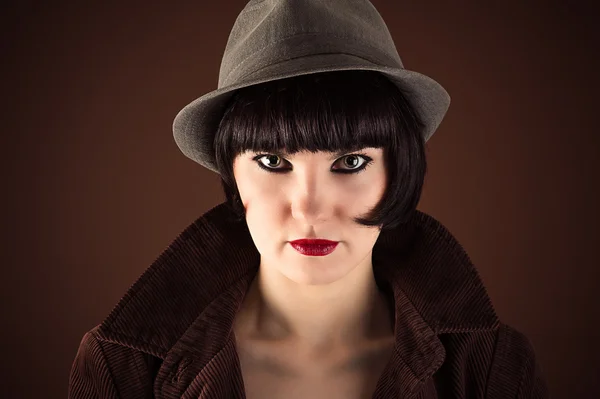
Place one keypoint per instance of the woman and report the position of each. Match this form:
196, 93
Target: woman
317, 277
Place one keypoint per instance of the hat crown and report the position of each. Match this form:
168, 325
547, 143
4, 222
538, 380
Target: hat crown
270, 31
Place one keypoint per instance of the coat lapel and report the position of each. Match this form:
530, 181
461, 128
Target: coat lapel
182, 308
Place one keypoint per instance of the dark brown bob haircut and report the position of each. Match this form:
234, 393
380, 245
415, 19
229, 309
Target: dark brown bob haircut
329, 111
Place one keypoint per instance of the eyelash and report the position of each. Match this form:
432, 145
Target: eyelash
368, 161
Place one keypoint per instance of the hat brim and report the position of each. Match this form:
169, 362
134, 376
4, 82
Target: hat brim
195, 125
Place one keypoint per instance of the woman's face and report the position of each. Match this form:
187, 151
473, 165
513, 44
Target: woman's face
306, 195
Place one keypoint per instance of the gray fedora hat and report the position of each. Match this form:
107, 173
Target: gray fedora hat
276, 39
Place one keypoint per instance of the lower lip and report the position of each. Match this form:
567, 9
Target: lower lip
314, 250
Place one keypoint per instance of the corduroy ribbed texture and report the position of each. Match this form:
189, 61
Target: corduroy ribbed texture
171, 335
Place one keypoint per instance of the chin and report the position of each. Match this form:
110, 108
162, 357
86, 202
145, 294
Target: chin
308, 272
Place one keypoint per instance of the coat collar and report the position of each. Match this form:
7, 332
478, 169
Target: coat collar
182, 307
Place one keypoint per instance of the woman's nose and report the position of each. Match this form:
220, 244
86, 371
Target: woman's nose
311, 201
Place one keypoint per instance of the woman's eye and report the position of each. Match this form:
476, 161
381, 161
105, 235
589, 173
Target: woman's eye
272, 161
352, 161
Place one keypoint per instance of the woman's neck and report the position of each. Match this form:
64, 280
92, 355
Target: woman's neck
349, 312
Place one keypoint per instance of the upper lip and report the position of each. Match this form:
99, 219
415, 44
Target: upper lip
313, 241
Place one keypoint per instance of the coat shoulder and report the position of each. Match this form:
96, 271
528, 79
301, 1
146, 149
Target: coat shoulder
515, 371
103, 369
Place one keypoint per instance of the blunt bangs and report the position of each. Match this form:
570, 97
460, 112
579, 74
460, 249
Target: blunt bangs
330, 111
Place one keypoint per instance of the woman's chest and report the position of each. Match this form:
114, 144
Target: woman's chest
283, 375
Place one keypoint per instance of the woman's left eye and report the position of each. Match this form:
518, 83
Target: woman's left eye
352, 163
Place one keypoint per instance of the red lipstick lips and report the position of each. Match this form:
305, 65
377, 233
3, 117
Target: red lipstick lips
314, 247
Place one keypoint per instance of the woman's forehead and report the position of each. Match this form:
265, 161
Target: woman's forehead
319, 153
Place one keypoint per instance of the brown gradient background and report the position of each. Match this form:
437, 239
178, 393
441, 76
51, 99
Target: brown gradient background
95, 186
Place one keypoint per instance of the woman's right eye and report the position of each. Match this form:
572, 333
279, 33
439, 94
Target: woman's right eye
270, 162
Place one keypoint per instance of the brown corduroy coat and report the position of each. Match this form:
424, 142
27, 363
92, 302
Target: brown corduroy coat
171, 334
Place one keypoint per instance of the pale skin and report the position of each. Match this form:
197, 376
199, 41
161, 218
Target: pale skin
324, 309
